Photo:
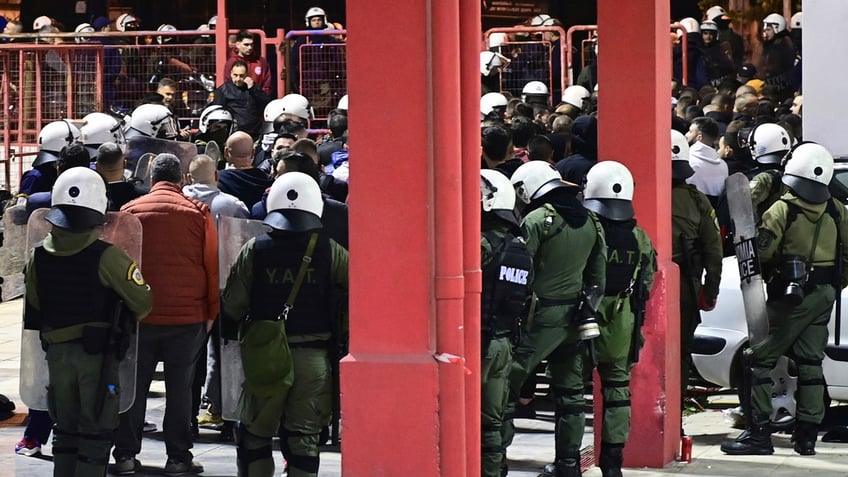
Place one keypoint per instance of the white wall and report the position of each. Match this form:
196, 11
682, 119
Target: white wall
825, 69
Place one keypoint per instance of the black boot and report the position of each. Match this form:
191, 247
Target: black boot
755, 441
804, 437
612, 456
562, 468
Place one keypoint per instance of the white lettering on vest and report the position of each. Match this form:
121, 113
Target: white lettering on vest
513, 275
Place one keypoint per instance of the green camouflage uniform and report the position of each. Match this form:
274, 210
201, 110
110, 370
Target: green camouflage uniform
566, 260
82, 438
798, 331
696, 247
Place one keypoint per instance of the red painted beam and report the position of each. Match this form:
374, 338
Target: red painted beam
636, 56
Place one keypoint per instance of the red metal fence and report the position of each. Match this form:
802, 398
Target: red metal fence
318, 67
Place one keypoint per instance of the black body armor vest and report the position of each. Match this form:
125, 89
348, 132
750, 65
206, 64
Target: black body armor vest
505, 283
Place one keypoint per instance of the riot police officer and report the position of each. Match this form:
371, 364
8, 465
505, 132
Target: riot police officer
75, 318
801, 246
569, 260
507, 275
631, 264
696, 247
294, 262
769, 143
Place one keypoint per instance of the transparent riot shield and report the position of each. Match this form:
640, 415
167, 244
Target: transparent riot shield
13, 253
142, 169
233, 233
122, 230
213, 151
141, 145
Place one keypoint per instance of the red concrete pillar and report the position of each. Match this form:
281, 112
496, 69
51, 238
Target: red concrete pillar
405, 383
634, 75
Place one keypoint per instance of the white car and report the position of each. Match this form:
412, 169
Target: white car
723, 335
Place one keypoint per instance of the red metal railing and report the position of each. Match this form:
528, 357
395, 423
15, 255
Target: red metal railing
532, 59
318, 63
44, 78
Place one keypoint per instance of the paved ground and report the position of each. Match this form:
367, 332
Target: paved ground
533, 446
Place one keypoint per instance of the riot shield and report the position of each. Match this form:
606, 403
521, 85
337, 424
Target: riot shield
213, 151
744, 227
13, 253
122, 230
142, 168
141, 145
233, 233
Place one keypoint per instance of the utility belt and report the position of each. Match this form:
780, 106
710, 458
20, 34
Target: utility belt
545, 302
317, 344
821, 276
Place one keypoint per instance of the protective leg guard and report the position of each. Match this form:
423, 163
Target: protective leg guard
804, 437
612, 456
755, 441
254, 457
92, 466
64, 461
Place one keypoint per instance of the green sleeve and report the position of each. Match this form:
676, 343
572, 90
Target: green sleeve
485, 251
649, 259
770, 232
843, 238
596, 269
31, 282
340, 268
532, 228
761, 186
235, 300
120, 273
712, 248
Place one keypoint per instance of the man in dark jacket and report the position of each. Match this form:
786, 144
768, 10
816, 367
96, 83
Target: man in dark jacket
778, 59
244, 98
242, 180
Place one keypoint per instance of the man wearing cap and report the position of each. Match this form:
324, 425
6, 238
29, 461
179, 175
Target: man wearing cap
73, 155
180, 247
696, 247
73, 316
280, 286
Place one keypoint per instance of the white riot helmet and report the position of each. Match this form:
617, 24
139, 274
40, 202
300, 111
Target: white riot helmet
296, 105
493, 102
80, 29
541, 20
715, 12
212, 22
769, 143
534, 91
680, 168
691, 25
165, 28
809, 171
294, 203
125, 22
100, 128
609, 190
78, 200
215, 114
776, 21
577, 96
491, 61
797, 21
497, 195
315, 12
41, 22
153, 120
709, 25
343, 103
53, 137
497, 39
534, 179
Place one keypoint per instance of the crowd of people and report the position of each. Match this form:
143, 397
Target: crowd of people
566, 270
